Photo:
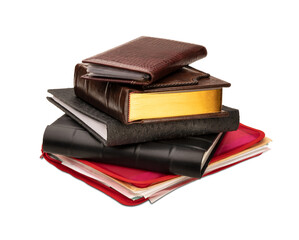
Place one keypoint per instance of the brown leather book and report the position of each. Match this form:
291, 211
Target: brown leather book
143, 60
185, 94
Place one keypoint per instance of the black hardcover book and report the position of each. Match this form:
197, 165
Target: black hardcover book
112, 132
186, 156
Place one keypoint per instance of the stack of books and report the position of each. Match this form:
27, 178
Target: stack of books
140, 122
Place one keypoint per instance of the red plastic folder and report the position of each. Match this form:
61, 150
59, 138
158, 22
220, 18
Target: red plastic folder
232, 143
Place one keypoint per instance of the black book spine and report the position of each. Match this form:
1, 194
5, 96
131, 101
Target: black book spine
180, 157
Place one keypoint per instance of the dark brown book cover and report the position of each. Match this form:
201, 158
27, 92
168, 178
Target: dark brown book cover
113, 98
156, 57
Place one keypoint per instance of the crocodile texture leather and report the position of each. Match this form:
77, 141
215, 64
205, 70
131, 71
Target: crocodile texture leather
154, 56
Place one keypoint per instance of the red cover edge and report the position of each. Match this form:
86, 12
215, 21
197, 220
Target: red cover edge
245, 146
111, 192
96, 184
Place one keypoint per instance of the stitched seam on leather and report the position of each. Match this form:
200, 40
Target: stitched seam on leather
193, 82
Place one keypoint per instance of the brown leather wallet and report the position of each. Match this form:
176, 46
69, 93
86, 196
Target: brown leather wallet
153, 58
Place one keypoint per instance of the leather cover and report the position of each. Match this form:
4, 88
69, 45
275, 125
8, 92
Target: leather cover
113, 98
120, 134
154, 56
175, 156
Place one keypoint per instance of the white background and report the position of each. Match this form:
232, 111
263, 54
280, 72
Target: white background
252, 45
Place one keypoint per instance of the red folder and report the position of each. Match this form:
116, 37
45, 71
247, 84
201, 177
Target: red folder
232, 143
